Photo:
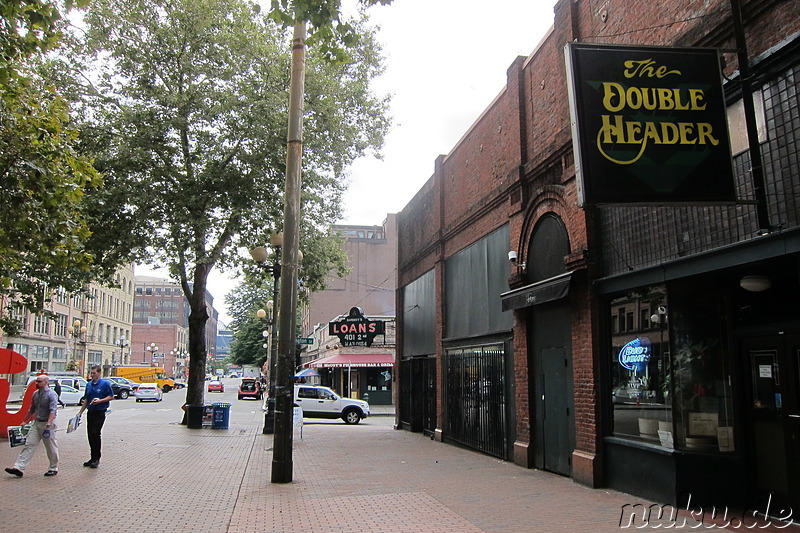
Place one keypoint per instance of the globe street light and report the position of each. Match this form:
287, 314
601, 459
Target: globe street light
75, 332
260, 256
153, 348
122, 343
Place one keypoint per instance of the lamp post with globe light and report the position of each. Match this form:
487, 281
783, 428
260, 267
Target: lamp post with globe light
75, 332
153, 348
260, 256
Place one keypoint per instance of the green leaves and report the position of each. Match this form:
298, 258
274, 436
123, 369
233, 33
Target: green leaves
327, 32
44, 230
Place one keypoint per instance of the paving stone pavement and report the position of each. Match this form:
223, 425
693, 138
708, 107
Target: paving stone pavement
156, 475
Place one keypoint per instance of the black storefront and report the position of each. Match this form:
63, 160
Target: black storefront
703, 373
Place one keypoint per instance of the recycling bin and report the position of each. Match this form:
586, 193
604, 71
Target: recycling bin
221, 415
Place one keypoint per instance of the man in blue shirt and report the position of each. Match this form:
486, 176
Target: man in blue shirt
96, 399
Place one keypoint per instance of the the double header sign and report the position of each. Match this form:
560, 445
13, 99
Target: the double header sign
649, 125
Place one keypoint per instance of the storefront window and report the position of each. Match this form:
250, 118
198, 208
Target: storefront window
640, 382
700, 372
670, 369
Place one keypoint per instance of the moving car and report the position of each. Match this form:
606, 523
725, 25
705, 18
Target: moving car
322, 402
148, 391
250, 388
216, 386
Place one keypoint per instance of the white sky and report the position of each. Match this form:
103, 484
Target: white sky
446, 60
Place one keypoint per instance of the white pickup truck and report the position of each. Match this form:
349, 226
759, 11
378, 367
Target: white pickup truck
322, 402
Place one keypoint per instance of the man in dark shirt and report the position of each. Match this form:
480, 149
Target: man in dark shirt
96, 398
44, 410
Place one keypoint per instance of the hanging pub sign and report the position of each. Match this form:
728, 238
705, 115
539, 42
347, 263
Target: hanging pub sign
355, 329
648, 125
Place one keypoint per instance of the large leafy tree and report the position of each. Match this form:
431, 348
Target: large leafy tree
187, 115
45, 230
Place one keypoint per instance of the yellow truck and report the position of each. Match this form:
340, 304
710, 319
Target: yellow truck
145, 374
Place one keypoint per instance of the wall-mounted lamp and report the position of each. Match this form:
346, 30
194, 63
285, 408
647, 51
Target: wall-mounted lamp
755, 283
512, 256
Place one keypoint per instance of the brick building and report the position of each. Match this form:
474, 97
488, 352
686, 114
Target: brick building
370, 285
160, 333
530, 360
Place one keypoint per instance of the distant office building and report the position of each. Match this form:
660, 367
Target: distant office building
224, 338
161, 325
88, 329
370, 286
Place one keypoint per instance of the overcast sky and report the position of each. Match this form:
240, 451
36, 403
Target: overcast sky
446, 60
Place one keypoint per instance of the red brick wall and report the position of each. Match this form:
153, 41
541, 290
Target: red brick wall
515, 165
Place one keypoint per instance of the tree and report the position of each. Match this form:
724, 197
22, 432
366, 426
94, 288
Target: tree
45, 232
188, 121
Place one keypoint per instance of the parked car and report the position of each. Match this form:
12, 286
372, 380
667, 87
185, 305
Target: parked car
180, 384
78, 384
250, 388
216, 386
71, 395
149, 391
322, 402
127, 381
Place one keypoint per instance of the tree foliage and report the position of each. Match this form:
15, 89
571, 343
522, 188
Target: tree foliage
188, 118
45, 233
328, 31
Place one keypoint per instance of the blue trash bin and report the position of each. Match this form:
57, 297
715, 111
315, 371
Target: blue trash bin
221, 415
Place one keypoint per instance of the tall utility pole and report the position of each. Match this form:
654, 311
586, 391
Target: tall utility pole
284, 378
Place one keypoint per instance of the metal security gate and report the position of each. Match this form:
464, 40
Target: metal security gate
418, 394
475, 398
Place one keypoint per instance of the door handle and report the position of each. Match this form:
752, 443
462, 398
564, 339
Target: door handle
794, 416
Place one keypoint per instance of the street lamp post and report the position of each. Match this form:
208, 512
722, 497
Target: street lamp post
260, 256
153, 348
122, 343
75, 331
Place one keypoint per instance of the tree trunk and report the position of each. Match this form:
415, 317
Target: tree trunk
198, 316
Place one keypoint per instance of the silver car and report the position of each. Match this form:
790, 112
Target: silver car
148, 391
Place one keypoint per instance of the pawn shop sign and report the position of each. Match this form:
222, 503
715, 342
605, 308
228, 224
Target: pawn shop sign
355, 329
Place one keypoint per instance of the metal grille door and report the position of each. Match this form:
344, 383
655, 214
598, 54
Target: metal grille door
475, 398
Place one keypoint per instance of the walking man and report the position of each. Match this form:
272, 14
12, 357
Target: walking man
96, 399
44, 409
57, 389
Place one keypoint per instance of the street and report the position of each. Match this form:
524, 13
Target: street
156, 475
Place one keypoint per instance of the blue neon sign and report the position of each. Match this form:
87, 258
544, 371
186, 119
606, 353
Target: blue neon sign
636, 354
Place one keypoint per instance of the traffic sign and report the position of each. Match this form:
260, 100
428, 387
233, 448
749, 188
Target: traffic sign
305, 340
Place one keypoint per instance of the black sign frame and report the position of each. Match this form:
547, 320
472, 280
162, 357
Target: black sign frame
649, 125
355, 329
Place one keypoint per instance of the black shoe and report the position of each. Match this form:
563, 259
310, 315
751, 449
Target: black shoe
14, 471
51, 473
88, 463
93, 464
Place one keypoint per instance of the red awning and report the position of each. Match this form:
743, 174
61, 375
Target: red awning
343, 360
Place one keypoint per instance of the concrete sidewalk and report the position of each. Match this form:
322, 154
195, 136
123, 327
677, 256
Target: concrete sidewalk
158, 476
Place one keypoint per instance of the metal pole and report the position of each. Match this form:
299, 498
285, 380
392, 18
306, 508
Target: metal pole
284, 379
269, 416
759, 183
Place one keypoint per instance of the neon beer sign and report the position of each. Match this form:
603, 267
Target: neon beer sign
635, 355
